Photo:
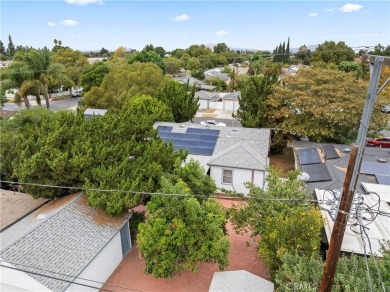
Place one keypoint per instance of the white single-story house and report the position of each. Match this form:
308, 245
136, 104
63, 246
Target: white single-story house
230, 100
205, 98
194, 82
66, 245
230, 155
89, 113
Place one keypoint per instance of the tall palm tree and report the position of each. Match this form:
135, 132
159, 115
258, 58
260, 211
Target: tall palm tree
39, 73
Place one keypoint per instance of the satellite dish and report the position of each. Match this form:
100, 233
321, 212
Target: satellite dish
304, 176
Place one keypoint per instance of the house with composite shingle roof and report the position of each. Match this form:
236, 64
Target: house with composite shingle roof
230, 155
62, 246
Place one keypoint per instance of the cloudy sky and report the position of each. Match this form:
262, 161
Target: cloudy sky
93, 24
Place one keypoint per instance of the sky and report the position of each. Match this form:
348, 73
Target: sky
89, 25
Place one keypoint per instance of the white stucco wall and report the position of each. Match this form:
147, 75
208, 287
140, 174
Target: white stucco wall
13, 280
240, 176
230, 104
101, 267
203, 104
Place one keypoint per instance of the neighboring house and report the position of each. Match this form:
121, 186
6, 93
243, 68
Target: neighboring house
5, 64
239, 281
231, 156
194, 82
205, 98
89, 113
330, 173
63, 243
326, 166
216, 72
230, 101
14, 206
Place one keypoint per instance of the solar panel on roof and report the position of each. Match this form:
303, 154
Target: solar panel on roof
380, 168
194, 131
208, 138
203, 131
374, 168
317, 172
383, 179
164, 128
330, 152
366, 168
309, 156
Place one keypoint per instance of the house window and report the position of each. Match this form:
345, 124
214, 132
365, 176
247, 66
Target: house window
227, 176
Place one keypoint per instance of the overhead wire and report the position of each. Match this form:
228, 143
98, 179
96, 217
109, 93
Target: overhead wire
66, 275
55, 278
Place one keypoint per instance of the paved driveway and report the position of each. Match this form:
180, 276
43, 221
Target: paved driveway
130, 273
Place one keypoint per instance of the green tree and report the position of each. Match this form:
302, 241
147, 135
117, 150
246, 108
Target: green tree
3, 99
253, 101
351, 273
123, 82
221, 85
173, 65
180, 99
380, 50
160, 51
181, 232
330, 52
221, 48
303, 55
74, 62
284, 226
322, 104
352, 66
148, 57
11, 47
93, 75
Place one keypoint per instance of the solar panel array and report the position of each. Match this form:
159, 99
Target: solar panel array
318, 172
309, 156
329, 151
196, 141
311, 163
379, 169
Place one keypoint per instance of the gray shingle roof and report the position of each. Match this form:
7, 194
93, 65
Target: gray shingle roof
205, 95
240, 155
234, 281
337, 167
232, 95
230, 149
63, 237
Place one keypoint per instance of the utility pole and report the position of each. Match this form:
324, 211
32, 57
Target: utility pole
350, 183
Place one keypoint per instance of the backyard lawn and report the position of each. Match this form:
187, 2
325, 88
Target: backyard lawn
283, 162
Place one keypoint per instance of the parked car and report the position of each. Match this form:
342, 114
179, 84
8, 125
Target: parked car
212, 123
77, 93
379, 142
386, 108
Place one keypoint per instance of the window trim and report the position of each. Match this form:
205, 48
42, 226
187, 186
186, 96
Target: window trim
223, 176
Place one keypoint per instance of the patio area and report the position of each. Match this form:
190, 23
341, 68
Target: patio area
242, 256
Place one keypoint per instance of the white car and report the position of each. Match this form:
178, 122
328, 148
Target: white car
212, 123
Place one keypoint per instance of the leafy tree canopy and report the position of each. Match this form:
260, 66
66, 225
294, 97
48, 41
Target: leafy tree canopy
123, 82
93, 75
181, 232
220, 48
351, 273
284, 226
180, 99
146, 56
330, 52
323, 104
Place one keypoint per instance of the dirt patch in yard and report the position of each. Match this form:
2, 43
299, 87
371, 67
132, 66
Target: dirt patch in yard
283, 162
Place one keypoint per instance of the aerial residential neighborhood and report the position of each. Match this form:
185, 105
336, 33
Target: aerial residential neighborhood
194, 146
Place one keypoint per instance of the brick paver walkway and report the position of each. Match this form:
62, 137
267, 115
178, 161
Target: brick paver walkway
241, 257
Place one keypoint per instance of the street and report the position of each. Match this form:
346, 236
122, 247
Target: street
54, 105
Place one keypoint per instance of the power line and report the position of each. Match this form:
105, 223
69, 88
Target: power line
61, 274
296, 200
55, 278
